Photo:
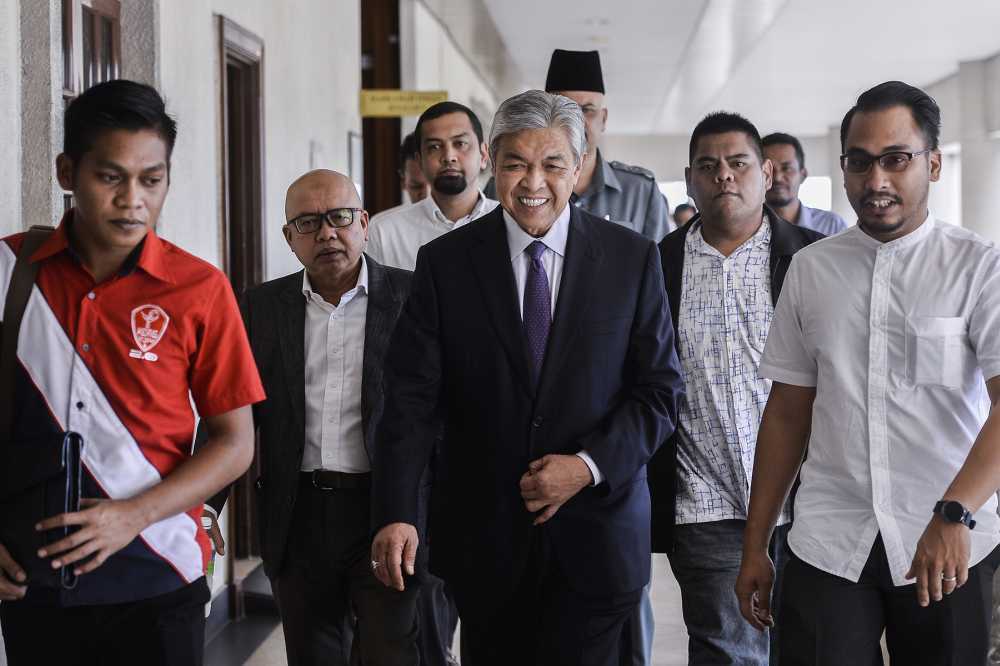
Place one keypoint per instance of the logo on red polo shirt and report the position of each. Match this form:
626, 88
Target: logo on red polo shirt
149, 323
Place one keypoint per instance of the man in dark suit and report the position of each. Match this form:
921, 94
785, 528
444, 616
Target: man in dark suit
723, 271
319, 337
541, 336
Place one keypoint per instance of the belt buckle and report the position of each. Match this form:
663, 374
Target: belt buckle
317, 484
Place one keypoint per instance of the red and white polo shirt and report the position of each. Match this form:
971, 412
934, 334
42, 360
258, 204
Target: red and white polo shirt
121, 362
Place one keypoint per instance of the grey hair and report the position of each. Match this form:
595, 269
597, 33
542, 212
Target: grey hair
535, 109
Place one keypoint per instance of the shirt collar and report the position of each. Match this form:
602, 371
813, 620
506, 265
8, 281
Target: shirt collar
805, 216
555, 238
903, 242
696, 241
434, 211
604, 176
147, 255
605, 173
360, 288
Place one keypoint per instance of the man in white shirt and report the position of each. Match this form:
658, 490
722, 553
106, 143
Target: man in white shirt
319, 337
789, 160
881, 347
452, 154
723, 274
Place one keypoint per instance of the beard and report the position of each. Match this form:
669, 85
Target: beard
779, 200
450, 184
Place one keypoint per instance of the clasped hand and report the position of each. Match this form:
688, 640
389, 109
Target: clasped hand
551, 481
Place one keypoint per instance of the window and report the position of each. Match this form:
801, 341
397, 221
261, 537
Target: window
91, 42
675, 191
817, 192
91, 48
945, 199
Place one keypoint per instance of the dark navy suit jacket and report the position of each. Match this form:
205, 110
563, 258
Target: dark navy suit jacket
609, 385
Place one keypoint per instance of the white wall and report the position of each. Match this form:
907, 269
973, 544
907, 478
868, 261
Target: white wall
10, 117
310, 98
312, 73
431, 60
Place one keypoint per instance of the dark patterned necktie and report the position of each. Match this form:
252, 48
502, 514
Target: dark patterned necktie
537, 310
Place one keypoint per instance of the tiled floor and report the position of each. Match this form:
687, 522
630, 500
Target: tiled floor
669, 643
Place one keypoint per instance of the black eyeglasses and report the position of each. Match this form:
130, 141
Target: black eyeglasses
338, 218
895, 161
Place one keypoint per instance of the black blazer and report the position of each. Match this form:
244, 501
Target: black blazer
786, 240
609, 385
274, 313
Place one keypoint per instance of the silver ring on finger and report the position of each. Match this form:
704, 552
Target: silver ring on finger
375, 565
949, 579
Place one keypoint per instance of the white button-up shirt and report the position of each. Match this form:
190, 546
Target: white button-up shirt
725, 312
897, 338
395, 235
552, 259
334, 351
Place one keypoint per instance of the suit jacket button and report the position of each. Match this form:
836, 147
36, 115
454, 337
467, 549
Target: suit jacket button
260, 483
537, 422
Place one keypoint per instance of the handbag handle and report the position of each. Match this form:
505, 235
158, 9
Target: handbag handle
22, 281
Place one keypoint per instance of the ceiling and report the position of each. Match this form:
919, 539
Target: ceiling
794, 65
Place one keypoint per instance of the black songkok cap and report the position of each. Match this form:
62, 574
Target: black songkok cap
575, 70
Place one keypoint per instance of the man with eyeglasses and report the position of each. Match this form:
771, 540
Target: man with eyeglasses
319, 336
789, 160
882, 346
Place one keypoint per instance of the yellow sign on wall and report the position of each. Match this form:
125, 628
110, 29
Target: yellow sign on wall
386, 103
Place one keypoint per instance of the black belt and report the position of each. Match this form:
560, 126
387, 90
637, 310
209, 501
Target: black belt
326, 480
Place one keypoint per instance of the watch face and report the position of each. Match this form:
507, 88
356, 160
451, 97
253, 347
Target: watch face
953, 511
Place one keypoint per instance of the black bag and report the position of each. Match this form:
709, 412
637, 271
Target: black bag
39, 478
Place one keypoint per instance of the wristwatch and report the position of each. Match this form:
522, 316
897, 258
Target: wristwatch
954, 512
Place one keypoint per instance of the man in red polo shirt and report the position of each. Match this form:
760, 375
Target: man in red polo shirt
123, 332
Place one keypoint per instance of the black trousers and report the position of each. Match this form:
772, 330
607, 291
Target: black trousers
327, 578
546, 622
830, 621
438, 621
168, 630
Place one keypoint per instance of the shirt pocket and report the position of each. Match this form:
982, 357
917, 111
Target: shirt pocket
935, 351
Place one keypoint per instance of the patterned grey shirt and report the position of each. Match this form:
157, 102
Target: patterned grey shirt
725, 313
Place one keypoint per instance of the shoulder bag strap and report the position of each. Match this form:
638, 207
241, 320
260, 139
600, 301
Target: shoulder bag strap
21, 282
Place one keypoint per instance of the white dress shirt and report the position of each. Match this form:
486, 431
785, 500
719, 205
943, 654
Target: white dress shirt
897, 338
334, 351
722, 323
553, 258
395, 235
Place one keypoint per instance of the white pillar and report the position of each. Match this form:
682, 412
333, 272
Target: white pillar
10, 121
41, 110
140, 31
980, 138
